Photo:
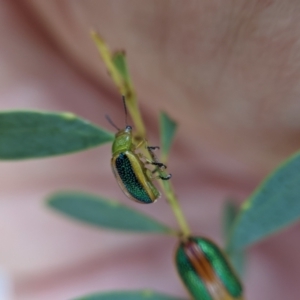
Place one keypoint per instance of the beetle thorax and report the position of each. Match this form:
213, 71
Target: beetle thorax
122, 142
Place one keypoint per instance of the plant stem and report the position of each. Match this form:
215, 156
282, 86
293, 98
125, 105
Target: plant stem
177, 211
166, 186
125, 87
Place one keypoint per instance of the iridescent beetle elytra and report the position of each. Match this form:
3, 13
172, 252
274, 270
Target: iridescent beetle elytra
205, 270
129, 167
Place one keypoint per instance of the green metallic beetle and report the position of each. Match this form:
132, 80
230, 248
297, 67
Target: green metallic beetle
206, 272
129, 168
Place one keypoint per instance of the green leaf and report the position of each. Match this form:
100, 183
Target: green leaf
130, 295
167, 132
238, 258
273, 206
119, 60
31, 134
101, 212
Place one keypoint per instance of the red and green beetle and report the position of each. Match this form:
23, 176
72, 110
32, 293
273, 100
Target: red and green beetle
206, 271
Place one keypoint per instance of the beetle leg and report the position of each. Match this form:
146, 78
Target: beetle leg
142, 142
154, 162
147, 161
167, 177
149, 174
151, 152
155, 170
159, 165
151, 148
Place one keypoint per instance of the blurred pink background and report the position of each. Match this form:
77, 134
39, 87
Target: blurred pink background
227, 71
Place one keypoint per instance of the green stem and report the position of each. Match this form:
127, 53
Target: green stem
135, 114
126, 88
177, 211
166, 186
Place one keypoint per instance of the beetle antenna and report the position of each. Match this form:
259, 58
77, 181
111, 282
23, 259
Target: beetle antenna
125, 109
107, 117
